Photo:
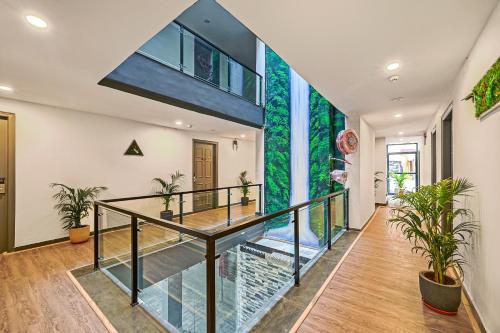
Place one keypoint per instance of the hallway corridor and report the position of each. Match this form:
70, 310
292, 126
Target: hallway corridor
376, 289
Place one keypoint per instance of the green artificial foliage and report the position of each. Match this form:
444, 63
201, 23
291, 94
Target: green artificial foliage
338, 125
399, 179
166, 188
73, 204
277, 135
486, 93
319, 145
434, 226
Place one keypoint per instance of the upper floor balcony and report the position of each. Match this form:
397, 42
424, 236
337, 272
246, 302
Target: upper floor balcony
178, 67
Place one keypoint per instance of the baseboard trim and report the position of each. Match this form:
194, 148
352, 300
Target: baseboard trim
321, 290
367, 221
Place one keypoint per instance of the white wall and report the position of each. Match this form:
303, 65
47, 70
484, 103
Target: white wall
84, 149
360, 180
381, 165
476, 155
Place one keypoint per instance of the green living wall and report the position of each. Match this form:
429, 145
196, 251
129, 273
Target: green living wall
277, 134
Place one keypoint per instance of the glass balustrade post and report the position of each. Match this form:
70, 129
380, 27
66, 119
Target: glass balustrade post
346, 209
96, 236
181, 213
228, 206
211, 297
260, 199
296, 239
135, 261
329, 221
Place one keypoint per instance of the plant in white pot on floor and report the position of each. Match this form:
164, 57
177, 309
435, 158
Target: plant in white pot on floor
245, 190
399, 179
73, 205
166, 189
438, 231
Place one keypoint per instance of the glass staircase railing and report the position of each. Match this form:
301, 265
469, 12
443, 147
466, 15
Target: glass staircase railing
179, 48
191, 278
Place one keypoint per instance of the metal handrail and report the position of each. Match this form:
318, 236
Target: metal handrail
211, 238
149, 196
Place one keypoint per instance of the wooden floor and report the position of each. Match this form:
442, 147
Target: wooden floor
376, 290
36, 295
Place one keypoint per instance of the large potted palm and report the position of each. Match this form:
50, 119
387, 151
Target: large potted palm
166, 189
439, 232
245, 190
73, 205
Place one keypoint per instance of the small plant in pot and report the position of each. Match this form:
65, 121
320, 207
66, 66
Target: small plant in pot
399, 179
73, 205
166, 189
437, 231
245, 190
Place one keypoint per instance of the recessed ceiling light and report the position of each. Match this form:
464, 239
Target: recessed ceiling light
243, 135
178, 122
401, 133
400, 139
398, 115
6, 88
189, 125
36, 21
207, 21
392, 66
397, 99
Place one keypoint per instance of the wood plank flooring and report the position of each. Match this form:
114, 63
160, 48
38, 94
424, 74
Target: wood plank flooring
376, 290
36, 295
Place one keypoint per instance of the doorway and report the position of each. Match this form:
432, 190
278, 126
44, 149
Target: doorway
204, 174
6, 182
402, 158
447, 145
433, 158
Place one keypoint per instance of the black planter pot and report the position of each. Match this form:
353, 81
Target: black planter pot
244, 201
167, 215
441, 298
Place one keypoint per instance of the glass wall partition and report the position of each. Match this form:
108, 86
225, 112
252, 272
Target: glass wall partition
178, 47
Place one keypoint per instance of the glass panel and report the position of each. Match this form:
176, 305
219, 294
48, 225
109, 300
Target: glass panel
249, 85
402, 163
404, 148
235, 78
253, 272
188, 47
114, 236
165, 46
115, 246
338, 222
224, 72
173, 285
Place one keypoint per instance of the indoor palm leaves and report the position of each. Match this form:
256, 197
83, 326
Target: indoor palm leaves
426, 218
166, 189
73, 204
245, 183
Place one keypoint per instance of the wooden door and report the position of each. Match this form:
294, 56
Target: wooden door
204, 174
3, 183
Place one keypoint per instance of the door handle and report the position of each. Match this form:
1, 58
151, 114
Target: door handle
194, 179
2, 185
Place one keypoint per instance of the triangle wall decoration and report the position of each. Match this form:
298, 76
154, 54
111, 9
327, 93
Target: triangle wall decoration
134, 149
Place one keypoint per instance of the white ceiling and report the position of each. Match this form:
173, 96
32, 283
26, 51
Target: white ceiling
342, 48
86, 40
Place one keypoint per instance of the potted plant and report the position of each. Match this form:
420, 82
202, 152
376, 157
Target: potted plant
399, 179
166, 189
427, 219
73, 205
245, 190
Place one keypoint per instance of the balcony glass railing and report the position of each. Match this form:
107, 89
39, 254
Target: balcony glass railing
223, 276
179, 48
